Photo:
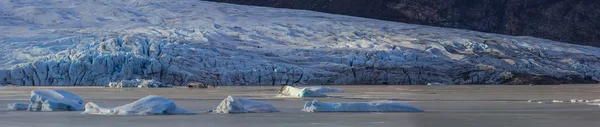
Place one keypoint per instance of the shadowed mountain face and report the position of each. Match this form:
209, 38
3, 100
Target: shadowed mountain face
572, 21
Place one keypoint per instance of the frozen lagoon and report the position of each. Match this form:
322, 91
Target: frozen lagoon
460, 106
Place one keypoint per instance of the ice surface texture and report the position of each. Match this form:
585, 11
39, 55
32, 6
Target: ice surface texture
317, 106
233, 105
150, 105
50, 100
81, 43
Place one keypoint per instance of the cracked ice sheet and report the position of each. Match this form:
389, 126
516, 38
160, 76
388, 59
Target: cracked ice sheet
74, 43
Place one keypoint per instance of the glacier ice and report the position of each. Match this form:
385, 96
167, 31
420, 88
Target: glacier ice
18, 106
290, 91
54, 100
150, 105
97, 43
317, 106
234, 105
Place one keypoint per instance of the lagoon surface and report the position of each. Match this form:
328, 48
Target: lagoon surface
445, 106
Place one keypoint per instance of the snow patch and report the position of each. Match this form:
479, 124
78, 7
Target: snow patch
317, 106
233, 105
150, 105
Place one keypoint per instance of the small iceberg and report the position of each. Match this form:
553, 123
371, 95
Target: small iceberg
232, 105
140, 83
290, 91
322, 89
435, 84
317, 106
50, 100
18, 106
150, 105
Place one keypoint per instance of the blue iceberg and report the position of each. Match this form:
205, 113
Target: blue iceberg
50, 100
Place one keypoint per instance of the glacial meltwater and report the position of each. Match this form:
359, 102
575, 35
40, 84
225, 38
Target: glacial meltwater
444, 106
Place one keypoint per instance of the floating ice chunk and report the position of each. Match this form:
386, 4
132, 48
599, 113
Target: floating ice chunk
238, 105
140, 83
321, 89
54, 100
578, 100
290, 91
436, 84
150, 105
18, 106
594, 101
317, 106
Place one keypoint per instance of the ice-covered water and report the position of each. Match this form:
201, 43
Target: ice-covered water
462, 106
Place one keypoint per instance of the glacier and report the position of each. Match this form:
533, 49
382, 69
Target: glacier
384, 106
94, 43
50, 100
150, 105
234, 105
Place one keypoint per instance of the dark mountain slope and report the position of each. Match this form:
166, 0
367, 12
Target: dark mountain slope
572, 21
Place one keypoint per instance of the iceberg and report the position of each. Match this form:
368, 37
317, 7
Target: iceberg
233, 105
150, 105
138, 83
322, 89
54, 100
18, 106
436, 84
290, 91
317, 106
